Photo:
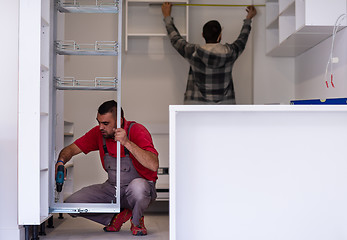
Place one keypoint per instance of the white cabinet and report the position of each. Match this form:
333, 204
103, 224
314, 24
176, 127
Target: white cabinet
294, 26
35, 115
278, 170
37, 103
144, 19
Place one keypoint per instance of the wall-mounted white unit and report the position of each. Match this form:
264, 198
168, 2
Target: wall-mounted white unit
294, 26
258, 172
144, 19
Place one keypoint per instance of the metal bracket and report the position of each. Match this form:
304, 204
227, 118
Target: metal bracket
82, 210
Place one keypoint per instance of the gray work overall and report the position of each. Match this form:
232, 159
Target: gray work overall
136, 193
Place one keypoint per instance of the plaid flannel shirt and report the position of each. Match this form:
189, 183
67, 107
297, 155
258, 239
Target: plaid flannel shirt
210, 74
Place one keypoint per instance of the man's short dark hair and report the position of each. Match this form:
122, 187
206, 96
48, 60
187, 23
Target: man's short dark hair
211, 31
109, 107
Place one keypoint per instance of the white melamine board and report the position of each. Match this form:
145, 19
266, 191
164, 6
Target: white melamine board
29, 113
9, 60
278, 170
44, 198
304, 40
272, 39
284, 5
45, 44
315, 19
44, 89
44, 142
300, 14
272, 13
286, 27
45, 10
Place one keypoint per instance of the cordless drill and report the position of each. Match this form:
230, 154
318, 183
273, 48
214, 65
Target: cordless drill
59, 178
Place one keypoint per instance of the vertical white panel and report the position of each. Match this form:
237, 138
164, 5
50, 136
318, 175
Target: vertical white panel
283, 4
300, 13
173, 184
29, 112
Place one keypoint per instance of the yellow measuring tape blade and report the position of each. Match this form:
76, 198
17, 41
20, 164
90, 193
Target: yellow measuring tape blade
214, 5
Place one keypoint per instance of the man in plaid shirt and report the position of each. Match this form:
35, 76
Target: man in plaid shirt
210, 74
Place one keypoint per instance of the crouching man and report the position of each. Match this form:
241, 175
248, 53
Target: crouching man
138, 174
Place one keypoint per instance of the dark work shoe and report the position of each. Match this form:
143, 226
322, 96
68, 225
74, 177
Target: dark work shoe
118, 220
139, 230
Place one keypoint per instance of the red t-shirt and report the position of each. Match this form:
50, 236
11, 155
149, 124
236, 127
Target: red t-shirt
139, 135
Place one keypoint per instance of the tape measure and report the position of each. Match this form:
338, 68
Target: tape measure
214, 5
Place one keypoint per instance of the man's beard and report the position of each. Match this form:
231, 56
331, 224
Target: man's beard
108, 135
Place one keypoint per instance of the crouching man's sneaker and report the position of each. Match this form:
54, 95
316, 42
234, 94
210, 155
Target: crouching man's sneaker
139, 230
118, 220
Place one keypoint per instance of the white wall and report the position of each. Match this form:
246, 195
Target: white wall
274, 77
310, 70
9, 228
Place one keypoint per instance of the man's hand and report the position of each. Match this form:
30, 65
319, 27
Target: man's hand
166, 9
251, 12
56, 170
65, 155
146, 158
120, 135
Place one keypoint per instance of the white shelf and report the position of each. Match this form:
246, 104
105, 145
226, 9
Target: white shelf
143, 19
67, 134
151, 35
294, 26
289, 10
284, 5
99, 48
272, 15
83, 6
99, 84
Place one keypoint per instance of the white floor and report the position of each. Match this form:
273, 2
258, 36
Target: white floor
69, 228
